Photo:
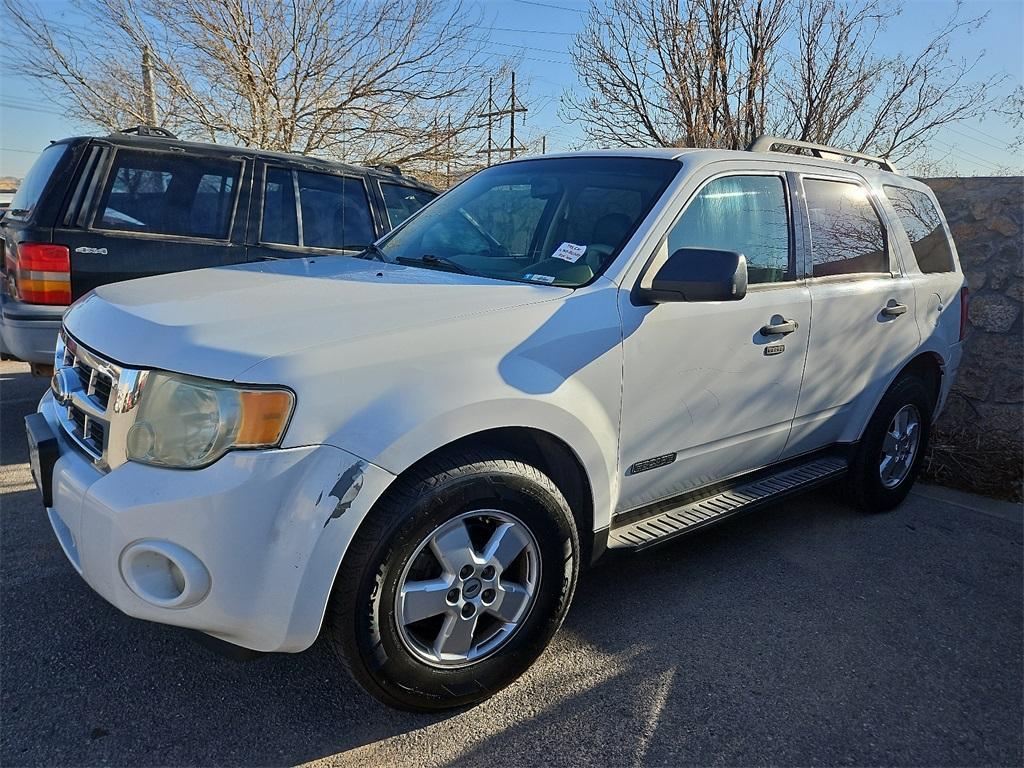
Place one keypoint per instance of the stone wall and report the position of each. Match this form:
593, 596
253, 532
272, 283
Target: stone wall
977, 444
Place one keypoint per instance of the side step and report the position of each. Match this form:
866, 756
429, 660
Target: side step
692, 514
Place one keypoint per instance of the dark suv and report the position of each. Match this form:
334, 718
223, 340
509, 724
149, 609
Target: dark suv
99, 210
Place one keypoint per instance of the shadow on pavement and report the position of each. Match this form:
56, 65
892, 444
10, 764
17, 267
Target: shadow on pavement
804, 634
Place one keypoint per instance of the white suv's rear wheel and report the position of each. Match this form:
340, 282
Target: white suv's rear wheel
455, 582
888, 458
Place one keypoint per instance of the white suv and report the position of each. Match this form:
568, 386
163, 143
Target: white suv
415, 451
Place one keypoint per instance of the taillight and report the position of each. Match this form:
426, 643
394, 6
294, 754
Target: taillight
42, 273
964, 303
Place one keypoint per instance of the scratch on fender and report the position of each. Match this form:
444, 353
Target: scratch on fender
346, 489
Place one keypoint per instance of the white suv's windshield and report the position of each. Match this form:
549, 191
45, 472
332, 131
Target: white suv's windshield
557, 221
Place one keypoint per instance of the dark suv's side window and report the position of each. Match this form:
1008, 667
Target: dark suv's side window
747, 214
924, 229
280, 225
335, 211
169, 194
847, 236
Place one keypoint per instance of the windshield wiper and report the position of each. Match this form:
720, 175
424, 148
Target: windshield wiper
432, 260
372, 252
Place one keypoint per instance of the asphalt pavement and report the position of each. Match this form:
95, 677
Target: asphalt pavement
806, 634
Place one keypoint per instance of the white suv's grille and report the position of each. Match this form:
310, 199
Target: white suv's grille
95, 400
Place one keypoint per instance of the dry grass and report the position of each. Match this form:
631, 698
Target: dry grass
974, 463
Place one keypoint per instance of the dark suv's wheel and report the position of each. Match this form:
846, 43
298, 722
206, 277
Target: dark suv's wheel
889, 456
455, 582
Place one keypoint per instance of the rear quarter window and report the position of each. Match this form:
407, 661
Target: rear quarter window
169, 194
32, 186
402, 201
923, 225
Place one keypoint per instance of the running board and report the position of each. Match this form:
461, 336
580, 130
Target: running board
693, 514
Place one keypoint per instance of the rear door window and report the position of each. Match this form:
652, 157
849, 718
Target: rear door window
402, 201
847, 236
169, 194
280, 225
923, 225
32, 186
335, 212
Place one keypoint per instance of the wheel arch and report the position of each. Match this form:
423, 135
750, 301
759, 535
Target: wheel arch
544, 450
928, 365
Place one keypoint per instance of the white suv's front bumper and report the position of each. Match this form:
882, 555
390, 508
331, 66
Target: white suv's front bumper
255, 539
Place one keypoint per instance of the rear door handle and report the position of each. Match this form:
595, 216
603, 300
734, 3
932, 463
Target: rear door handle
779, 329
894, 310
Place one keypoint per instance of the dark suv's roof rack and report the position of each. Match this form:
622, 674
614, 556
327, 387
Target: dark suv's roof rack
148, 130
768, 144
388, 168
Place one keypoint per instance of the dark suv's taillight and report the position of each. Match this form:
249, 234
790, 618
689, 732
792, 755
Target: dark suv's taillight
964, 305
42, 273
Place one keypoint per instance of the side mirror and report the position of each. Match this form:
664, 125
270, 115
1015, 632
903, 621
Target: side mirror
698, 274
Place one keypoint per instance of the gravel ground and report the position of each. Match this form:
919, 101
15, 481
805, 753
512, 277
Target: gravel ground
803, 635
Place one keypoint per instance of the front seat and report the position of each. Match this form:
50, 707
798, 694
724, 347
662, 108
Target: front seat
608, 233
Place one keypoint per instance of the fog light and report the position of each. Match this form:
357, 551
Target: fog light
164, 574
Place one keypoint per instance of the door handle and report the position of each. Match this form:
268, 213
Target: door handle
894, 310
779, 329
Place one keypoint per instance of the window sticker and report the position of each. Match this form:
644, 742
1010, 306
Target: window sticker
569, 252
539, 278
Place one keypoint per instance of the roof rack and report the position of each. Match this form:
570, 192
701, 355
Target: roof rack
149, 130
768, 144
388, 168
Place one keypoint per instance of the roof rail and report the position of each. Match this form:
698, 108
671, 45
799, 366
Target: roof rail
148, 130
768, 144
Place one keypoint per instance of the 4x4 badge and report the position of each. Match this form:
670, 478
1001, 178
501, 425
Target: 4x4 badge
87, 249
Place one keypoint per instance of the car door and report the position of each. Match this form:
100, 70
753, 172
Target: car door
862, 311
708, 392
144, 211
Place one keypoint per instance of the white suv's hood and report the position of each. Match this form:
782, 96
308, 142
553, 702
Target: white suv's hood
219, 322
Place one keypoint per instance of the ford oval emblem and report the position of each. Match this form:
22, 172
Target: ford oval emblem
61, 386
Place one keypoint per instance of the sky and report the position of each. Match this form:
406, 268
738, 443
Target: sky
539, 32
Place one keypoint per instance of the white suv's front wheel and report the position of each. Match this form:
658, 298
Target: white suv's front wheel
456, 581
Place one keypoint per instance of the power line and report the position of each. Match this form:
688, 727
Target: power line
979, 141
550, 5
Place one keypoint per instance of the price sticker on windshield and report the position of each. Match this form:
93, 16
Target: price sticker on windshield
569, 252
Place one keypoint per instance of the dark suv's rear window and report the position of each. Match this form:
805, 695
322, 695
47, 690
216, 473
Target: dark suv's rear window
169, 194
31, 189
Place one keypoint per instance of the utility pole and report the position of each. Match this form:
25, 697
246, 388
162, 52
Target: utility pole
448, 171
490, 116
511, 110
514, 107
512, 121
543, 145
148, 90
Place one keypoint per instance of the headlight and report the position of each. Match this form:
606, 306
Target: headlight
187, 423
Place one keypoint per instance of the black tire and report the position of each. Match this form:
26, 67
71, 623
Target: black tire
865, 484
361, 622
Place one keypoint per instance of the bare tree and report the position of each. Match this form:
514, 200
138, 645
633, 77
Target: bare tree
367, 81
1013, 110
716, 73
659, 73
